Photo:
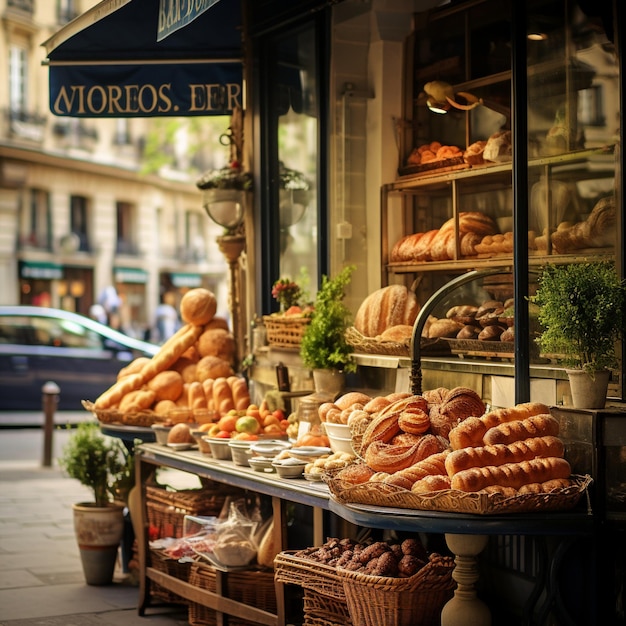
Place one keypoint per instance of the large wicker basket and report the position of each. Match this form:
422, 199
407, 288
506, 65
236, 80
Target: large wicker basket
321, 610
285, 331
308, 574
167, 509
252, 587
160, 561
414, 601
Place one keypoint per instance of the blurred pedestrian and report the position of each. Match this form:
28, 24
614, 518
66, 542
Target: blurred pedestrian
111, 302
97, 313
167, 321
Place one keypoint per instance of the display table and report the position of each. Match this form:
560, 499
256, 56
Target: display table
466, 534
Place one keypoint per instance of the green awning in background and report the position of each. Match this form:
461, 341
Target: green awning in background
41, 269
130, 275
186, 280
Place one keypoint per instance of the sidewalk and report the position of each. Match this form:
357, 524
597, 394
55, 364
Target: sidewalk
41, 578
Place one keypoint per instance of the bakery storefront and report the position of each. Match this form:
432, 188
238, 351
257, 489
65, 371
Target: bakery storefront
450, 150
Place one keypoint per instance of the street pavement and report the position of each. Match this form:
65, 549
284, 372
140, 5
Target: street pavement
41, 578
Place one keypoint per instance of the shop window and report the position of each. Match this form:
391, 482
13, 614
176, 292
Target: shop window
35, 220
293, 140
66, 11
195, 245
126, 229
79, 222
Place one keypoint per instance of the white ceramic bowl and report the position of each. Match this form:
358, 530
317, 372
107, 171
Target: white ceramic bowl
340, 437
219, 448
161, 432
270, 448
289, 468
240, 451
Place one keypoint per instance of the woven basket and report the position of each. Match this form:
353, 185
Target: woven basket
285, 332
309, 574
414, 601
167, 509
455, 501
163, 563
321, 610
251, 587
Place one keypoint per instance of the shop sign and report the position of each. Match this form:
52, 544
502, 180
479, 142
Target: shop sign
146, 90
41, 270
174, 14
130, 275
186, 280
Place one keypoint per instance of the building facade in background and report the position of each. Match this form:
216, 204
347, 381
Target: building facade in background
86, 204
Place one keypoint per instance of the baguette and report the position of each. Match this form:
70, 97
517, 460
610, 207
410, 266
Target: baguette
433, 465
170, 351
500, 454
470, 432
114, 394
514, 475
535, 426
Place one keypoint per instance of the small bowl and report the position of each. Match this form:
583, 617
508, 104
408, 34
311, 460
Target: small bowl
309, 452
240, 451
289, 468
270, 448
179, 447
337, 430
219, 448
341, 444
161, 432
200, 437
261, 464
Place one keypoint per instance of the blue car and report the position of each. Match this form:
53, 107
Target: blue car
40, 344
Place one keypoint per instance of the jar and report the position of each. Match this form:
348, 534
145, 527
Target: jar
308, 412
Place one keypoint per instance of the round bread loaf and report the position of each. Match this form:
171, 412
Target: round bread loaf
180, 433
217, 342
386, 307
198, 306
167, 385
213, 367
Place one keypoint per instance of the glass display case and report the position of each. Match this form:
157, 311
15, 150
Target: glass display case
461, 201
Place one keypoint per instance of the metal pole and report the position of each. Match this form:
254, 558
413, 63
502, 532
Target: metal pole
50, 400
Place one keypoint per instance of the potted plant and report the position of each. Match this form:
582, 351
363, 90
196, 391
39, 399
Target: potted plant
105, 466
581, 311
324, 348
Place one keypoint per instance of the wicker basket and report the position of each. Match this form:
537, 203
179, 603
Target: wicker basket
321, 610
251, 587
163, 563
414, 601
285, 332
309, 574
167, 509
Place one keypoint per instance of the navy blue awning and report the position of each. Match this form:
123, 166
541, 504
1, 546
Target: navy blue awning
143, 58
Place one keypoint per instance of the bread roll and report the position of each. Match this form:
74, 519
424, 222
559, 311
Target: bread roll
384, 457
167, 385
217, 342
222, 395
431, 483
498, 147
444, 328
180, 433
499, 454
399, 333
470, 432
535, 426
474, 153
198, 306
163, 407
511, 474
137, 400
352, 397
240, 392
433, 465
195, 396
213, 367
385, 307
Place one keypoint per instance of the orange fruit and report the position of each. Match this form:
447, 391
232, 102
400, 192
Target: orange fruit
270, 419
227, 422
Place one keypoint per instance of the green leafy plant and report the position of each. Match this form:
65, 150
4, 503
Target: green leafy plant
324, 344
581, 311
100, 463
230, 177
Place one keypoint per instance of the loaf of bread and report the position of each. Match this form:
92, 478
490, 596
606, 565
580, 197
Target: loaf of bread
433, 465
474, 153
198, 306
535, 426
500, 454
213, 367
222, 395
389, 458
470, 432
444, 328
217, 342
597, 231
511, 474
166, 385
400, 333
499, 147
386, 307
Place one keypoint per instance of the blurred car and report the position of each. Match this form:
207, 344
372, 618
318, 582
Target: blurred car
40, 344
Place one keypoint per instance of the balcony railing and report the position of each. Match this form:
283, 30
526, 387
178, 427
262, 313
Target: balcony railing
26, 124
28, 6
